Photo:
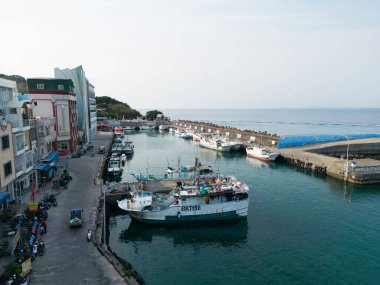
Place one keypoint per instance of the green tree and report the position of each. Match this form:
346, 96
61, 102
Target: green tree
151, 115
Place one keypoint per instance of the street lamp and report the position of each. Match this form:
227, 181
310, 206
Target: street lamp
348, 146
104, 213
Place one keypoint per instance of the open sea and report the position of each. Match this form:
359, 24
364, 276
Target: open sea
287, 121
300, 229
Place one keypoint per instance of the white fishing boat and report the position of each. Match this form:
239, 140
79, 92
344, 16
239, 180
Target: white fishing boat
226, 199
117, 140
123, 159
171, 131
261, 153
215, 144
114, 168
128, 128
235, 145
117, 148
185, 135
129, 148
163, 127
177, 132
197, 137
147, 127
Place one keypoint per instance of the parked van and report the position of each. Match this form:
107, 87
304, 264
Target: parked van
76, 218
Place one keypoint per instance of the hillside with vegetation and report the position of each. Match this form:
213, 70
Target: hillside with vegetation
112, 108
20, 81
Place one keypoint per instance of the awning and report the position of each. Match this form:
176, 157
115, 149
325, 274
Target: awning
51, 157
42, 166
4, 196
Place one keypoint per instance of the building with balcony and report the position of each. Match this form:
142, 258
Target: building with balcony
86, 103
15, 113
42, 136
50, 99
7, 163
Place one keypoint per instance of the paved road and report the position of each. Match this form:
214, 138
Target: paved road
69, 258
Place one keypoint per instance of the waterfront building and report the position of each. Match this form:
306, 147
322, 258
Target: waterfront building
16, 113
55, 98
86, 103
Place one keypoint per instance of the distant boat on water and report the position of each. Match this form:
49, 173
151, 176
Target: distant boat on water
215, 144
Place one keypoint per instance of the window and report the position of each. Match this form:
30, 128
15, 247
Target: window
13, 111
41, 86
7, 168
35, 103
61, 87
5, 141
64, 146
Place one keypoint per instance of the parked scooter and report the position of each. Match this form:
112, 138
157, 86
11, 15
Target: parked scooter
43, 205
75, 155
40, 247
42, 214
89, 235
50, 200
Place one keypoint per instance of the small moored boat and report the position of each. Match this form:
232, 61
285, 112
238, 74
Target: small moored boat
261, 153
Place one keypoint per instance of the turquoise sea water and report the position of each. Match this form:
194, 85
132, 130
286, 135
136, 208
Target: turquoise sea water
300, 229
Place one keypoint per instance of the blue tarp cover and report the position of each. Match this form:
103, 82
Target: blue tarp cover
42, 166
51, 157
294, 141
4, 196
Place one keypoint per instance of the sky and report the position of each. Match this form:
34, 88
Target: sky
202, 54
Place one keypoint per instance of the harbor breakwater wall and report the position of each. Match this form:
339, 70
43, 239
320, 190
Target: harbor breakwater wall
246, 136
355, 162
321, 158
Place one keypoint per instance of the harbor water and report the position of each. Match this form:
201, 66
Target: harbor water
300, 229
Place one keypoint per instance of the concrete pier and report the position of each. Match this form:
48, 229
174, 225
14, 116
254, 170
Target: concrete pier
360, 167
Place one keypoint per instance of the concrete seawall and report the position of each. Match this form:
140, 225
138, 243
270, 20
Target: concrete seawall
127, 273
246, 136
331, 159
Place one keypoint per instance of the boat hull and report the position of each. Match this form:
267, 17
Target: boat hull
262, 158
221, 149
180, 214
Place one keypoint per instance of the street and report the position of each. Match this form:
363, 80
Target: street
69, 258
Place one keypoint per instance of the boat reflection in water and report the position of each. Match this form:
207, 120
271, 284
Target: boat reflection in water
261, 164
218, 154
222, 234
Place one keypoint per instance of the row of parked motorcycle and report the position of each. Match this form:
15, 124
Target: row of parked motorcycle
34, 246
